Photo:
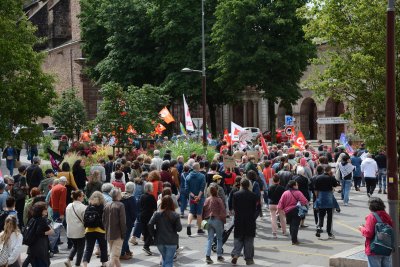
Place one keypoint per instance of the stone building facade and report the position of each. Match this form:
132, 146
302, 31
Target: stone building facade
58, 22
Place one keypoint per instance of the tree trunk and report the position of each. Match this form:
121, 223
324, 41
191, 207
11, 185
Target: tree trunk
272, 118
213, 119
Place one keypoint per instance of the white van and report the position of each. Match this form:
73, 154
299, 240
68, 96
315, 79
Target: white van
254, 132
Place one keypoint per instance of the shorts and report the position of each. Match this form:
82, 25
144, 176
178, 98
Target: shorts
197, 209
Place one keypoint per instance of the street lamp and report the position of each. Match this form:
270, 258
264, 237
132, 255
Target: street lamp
391, 136
203, 77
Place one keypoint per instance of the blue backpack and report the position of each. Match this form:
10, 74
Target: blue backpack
383, 242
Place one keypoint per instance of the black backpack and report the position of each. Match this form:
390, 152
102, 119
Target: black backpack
92, 217
29, 233
3, 216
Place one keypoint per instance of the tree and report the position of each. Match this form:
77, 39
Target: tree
149, 42
261, 44
27, 92
137, 107
355, 62
69, 113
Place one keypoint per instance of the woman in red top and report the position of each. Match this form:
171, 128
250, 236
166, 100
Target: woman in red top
377, 206
118, 181
229, 179
268, 172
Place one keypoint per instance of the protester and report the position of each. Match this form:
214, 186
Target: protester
93, 184
346, 173
381, 162
245, 214
377, 208
95, 229
38, 251
195, 184
79, 173
275, 193
356, 162
106, 189
100, 167
183, 193
29, 203
46, 184
369, 170
63, 145
129, 201
66, 172
75, 213
34, 174
288, 204
215, 213
325, 203
11, 239
148, 205
167, 224
114, 220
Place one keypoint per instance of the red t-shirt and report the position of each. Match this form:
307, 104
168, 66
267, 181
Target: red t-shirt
268, 173
119, 184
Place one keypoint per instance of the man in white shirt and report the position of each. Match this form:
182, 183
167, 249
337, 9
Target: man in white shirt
157, 161
369, 170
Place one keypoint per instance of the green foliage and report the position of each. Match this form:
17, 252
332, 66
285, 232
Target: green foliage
261, 44
46, 142
69, 114
355, 63
136, 106
187, 148
27, 93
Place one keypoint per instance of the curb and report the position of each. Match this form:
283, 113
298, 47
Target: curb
354, 257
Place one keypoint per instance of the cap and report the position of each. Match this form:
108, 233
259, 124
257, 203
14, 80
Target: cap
48, 171
63, 179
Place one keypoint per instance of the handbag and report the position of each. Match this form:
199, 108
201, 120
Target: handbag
4, 254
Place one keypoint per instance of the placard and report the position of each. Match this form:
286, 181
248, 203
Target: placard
253, 153
229, 162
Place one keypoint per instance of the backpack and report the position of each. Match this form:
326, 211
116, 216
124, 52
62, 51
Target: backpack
29, 233
3, 216
92, 217
383, 242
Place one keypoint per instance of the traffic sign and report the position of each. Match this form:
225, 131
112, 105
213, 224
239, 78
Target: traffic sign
288, 120
198, 122
332, 120
289, 130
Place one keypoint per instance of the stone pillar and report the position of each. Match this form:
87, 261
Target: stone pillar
255, 113
226, 116
263, 114
244, 113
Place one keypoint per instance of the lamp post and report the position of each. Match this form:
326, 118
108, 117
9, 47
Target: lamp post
391, 145
203, 77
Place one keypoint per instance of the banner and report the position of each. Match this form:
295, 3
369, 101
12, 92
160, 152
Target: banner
235, 130
343, 141
166, 115
264, 145
188, 118
183, 130
229, 162
300, 141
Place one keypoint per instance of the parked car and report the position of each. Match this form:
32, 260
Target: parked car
255, 132
49, 131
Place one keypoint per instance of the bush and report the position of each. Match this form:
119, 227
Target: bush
186, 148
45, 143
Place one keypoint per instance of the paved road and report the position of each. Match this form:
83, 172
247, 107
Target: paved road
312, 252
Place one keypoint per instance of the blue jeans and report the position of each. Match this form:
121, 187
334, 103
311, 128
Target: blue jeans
125, 245
379, 261
167, 252
10, 166
382, 178
346, 190
215, 227
137, 232
184, 201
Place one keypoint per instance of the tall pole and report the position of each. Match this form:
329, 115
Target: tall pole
203, 77
391, 144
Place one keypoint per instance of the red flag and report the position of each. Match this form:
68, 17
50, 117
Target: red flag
300, 141
160, 128
227, 137
166, 115
264, 146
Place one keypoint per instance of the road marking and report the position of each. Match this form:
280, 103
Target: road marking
347, 226
305, 253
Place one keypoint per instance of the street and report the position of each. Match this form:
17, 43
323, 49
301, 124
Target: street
312, 251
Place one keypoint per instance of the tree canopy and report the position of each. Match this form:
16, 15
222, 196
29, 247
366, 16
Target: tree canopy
27, 92
69, 113
261, 44
131, 111
355, 32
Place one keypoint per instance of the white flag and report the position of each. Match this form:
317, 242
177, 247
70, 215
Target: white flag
188, 118
235, 130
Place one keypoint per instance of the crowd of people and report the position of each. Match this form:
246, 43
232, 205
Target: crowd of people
120, 201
